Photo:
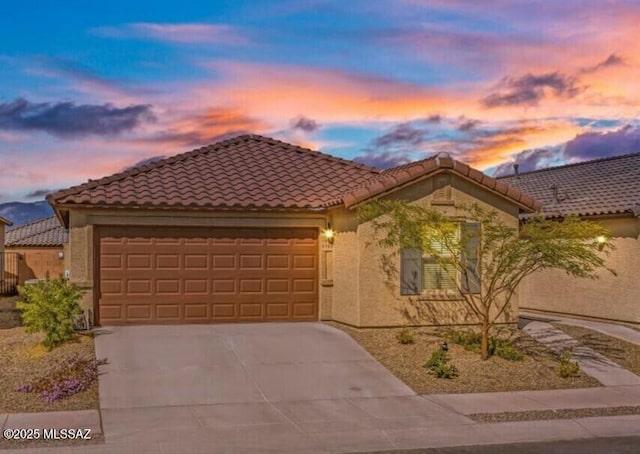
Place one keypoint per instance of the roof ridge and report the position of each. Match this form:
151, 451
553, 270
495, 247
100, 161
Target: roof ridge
194, 153
575, 164
11, 229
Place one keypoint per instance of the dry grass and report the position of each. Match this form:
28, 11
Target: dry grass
537, 371
23, 357
624, 353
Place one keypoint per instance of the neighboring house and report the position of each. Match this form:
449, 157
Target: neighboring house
238, 232
607, 191
4, 284
4, 223
41, 247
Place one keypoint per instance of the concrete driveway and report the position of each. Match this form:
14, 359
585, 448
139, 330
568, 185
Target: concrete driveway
299, 387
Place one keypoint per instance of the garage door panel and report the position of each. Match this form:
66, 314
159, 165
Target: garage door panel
165, 275
139, 311
196, 311
224, 311
167, 311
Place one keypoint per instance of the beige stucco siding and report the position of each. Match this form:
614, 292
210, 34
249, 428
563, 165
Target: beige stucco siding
346, 262
38, 262
360, 277
614, 297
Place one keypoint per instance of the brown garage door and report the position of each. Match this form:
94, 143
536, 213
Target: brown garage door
199, 275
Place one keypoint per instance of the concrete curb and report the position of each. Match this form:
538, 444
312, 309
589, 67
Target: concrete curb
79, 419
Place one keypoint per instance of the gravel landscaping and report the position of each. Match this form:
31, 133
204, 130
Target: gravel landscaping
24, 358
624, 353
9, 317
538, 415
537, 371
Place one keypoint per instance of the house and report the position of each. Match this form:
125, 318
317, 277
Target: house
254, 229
5, 285
4, 223
604, 190
41, 248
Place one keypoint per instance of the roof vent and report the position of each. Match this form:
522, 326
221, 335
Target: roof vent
516, 170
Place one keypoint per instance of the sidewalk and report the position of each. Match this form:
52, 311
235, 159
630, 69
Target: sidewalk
611, 329
592, 363
570, 399
182, 440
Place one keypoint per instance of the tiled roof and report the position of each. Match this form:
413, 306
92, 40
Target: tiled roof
254, 172
606, 186
403, 175
244, 172
43, 232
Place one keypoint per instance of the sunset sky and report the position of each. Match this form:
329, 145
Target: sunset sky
88, 91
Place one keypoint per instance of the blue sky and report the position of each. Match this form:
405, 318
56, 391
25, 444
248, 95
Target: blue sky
86, 91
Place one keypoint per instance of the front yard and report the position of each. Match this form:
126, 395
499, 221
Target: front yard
536, 371
24, 358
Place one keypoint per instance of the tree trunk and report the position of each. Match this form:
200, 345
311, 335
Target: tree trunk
484, 345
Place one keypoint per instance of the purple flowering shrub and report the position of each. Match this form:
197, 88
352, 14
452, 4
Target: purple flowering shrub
74, 375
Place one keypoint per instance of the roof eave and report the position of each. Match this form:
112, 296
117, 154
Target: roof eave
353, 202
61, 213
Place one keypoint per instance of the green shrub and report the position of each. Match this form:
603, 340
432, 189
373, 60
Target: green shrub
505, 349
50, 307
439, 366
469, 340
567, 367
472, 341
406, 336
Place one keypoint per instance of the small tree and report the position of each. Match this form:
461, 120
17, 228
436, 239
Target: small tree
50, 307
488, 263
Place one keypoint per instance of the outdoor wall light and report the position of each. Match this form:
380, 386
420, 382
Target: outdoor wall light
329, 234
601, 241
60, 255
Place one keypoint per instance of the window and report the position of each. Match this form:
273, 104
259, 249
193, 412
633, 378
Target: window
437, 275
419, 273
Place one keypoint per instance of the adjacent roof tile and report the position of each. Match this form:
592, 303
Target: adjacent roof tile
600, 187
43, 232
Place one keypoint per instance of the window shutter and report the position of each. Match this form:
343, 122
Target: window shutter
471, 249
410, 271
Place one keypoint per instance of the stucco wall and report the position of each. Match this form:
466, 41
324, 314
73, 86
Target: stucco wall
346, 262
81, 236
609, 297
38, 262
362, 278
2, 229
